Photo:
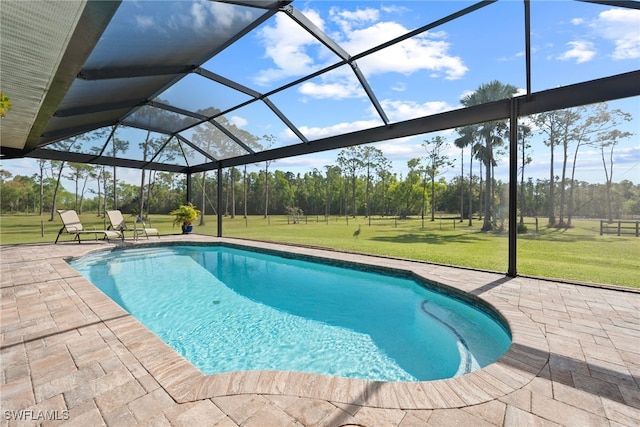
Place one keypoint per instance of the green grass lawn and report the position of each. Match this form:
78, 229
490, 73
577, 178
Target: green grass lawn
577, 254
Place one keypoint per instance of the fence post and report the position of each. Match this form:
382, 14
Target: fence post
42, 228
637, 229
536, 224
619, 227
601, 227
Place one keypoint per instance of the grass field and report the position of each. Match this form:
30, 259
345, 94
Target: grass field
577, 254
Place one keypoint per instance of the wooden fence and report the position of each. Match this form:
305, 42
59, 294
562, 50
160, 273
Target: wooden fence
620, 228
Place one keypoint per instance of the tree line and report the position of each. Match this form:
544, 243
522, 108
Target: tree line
361, 181
324, 192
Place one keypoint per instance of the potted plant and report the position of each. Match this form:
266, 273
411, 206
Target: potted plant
5, 105
185, 215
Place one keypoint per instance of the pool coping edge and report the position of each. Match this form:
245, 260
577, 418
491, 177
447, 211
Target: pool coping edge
523, 361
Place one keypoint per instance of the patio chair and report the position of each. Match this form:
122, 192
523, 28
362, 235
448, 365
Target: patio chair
71, 225
118, 223
144, 230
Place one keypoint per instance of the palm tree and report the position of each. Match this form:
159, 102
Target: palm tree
491, 133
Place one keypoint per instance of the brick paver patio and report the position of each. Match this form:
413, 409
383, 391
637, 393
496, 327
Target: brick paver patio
70, 356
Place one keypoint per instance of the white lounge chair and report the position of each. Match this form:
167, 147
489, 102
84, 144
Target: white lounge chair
71, 225
139, 228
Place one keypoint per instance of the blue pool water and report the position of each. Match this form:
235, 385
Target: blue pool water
226, 309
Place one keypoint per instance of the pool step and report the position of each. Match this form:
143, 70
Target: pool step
466, 358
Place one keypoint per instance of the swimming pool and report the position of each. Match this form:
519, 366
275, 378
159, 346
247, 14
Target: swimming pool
227, 309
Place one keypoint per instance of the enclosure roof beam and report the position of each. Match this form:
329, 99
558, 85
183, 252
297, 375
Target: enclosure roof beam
55, 135
619, 86
600, 90
231, 136
284, 118
151, 160
630, 4
43, 153
442, 121
315, 32
131, 72
176, 110
369, 92
227, 82
149, 128
195, 147
261, 4
91, 109
527, 44
424, 28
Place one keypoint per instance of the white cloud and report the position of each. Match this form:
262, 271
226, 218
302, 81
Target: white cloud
394, 9
630, 155
403, 149
145, 22
223, 14
622, 27
286, 44
294, 51
399, 87
466, 93
313, 133
581, 51
306, 163
424, 52
520, 91
238, 121
517, 55
406, 110
20, 166
347, 19
199, 15
400, 149
215, 16
331, 90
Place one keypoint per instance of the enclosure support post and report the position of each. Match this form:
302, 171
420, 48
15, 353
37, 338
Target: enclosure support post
513, 186
219, 197
188, 187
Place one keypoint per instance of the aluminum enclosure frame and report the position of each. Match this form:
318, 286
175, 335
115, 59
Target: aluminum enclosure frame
97, 15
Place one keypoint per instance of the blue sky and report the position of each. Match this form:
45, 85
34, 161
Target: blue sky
429, 73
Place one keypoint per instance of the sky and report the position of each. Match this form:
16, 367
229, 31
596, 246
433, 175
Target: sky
426, 74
